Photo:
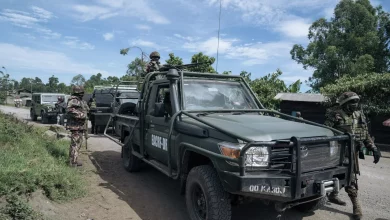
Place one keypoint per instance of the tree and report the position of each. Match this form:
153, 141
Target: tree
374, 90
267, 87
63, 88
136, 67
354, 42
173, 60
246, 75
226, 72
201, 58
78, 80
53, 84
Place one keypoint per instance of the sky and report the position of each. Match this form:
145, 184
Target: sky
65, 38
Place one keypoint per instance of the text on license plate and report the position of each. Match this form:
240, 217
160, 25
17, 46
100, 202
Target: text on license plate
267, 189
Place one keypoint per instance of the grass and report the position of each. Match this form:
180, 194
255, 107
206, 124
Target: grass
30, 161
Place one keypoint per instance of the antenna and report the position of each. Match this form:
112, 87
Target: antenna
219, 28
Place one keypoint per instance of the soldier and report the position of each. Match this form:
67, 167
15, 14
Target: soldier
348, 118
61, 108
298, 114
154, 63
77, 111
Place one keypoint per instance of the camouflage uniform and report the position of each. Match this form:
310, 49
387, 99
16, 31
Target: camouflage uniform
77, 111
154, 63
348, 118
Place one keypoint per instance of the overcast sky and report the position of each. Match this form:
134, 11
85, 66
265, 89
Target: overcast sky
65, 38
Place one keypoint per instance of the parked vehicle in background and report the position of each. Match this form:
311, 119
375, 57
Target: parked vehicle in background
43, 105
100, 114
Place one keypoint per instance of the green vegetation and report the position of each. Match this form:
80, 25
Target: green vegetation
374, 90
354, 42
28, 162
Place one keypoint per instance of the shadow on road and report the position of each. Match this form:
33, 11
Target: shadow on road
152, 195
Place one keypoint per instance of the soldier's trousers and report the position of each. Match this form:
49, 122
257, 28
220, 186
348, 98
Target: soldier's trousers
75, 145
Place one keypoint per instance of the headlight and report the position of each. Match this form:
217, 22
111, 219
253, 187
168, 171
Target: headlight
254, 157
334, 148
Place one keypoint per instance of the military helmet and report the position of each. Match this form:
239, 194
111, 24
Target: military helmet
154, 54
348, 96
78, 90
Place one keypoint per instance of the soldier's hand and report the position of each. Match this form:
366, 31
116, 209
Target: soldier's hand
377, 154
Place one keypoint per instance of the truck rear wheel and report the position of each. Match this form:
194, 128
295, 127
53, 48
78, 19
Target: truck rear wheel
205, 196
311, 206
130, 162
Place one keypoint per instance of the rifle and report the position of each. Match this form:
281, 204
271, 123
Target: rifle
166, 67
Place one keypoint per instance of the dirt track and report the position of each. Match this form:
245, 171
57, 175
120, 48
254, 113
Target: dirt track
150, 195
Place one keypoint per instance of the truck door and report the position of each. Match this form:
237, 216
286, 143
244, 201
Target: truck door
157, 122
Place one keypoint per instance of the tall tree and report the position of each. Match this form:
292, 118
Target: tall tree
267, 87
53, 84
354, 42
136, 67
174, 60
206, 66
78, 80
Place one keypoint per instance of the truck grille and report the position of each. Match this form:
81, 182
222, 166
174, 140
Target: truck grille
318, 156
313, 157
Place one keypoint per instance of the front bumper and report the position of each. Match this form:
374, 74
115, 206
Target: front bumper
284, 187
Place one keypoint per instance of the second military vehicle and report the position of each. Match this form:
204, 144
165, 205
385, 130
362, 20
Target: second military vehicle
43, 105
211, 133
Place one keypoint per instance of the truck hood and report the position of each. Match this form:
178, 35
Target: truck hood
264, 128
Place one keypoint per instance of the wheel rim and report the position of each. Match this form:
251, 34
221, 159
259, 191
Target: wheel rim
199, 202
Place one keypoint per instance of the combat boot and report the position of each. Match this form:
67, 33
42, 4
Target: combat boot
357, 209
333, 198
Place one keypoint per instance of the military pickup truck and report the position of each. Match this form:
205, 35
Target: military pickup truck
100, 114
211, 133
43, 105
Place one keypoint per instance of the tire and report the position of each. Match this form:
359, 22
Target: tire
44, 120
311, 206
33, 116
130, 162
203, 186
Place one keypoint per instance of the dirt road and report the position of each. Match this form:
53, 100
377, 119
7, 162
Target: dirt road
150, 195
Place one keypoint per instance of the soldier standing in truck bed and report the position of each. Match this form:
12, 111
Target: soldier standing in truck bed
348, 118
154, 63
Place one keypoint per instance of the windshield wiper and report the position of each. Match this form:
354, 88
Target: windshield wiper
203, 114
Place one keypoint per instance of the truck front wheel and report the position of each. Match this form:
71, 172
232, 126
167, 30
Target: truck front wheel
130, 162
205, 196
311, 206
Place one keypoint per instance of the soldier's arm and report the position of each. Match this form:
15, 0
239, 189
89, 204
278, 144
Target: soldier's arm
332, 119
74, 108
368, 142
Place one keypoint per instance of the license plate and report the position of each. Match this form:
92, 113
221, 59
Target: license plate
265, 189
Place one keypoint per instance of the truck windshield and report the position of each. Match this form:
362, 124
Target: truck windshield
210, 95
49, 98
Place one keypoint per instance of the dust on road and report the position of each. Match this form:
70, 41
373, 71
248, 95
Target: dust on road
150, 195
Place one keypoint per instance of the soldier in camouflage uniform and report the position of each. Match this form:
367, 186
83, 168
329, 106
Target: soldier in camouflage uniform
154, 63
77, 111
348, 118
